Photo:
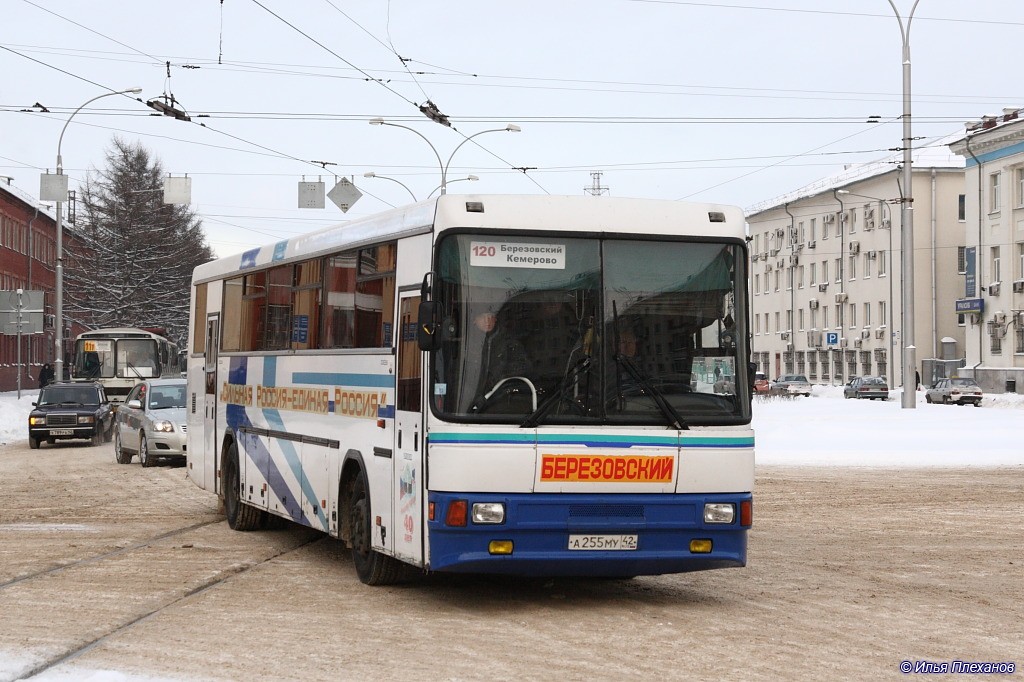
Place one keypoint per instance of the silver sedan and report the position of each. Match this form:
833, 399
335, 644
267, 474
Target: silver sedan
151, 423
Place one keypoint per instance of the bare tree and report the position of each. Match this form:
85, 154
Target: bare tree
132, 262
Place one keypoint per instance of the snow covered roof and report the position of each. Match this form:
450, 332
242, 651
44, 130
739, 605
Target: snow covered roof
28, 199
932, 154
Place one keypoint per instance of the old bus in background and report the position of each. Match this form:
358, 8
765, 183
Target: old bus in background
491, 384
120, 357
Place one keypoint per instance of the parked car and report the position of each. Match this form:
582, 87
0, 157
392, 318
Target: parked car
70, 409
791, 384
761, 384
959, 390
151, 423
872, 388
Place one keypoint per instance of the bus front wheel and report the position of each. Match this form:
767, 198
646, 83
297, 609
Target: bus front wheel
240, 515
372, 567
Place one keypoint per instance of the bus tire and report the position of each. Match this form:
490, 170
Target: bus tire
372, 567
120, 454
241, 516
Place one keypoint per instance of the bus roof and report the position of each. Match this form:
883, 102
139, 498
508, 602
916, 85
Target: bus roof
121, 332
495, 211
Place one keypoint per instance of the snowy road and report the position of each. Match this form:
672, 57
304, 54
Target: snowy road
111, 572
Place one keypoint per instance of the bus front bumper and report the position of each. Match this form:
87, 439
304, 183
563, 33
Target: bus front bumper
588, 535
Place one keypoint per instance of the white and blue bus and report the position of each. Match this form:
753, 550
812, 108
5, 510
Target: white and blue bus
527, 385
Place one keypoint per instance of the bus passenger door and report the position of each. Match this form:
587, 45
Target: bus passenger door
409, 433
211, 456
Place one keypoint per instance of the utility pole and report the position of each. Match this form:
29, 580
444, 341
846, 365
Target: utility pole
595, 188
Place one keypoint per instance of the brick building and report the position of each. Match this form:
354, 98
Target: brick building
28, 257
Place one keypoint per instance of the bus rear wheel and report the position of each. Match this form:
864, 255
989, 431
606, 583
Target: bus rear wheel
241, 516
372, 567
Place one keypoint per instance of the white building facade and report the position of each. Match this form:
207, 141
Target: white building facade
992, 297
826, 284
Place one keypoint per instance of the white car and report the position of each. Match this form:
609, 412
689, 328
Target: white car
151, 423
791, 384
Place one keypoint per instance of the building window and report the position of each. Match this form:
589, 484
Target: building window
961, 259
839, 270
814, 274
867, 263
1018, 184
867, 314
824, 271
961, 208
882, 255
853, 268
814, 228
852, 322
994, 198
757, 284
996, 275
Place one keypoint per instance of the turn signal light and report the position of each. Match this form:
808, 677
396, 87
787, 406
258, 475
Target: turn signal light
746, 513
500, 547
702, 546
458, 511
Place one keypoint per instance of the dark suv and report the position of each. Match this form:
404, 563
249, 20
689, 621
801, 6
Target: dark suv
71, 410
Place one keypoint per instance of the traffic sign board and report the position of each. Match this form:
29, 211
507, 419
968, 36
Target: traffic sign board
831, 338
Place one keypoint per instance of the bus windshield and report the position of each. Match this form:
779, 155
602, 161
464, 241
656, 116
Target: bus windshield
109, 358
562, 330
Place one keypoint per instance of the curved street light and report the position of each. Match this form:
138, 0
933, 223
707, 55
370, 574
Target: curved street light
58, 318
907, 225
371, 174
443, 166
470, 178
510, 128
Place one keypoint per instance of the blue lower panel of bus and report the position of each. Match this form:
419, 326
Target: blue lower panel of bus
543, 527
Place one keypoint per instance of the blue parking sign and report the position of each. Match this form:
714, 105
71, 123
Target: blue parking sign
831, 338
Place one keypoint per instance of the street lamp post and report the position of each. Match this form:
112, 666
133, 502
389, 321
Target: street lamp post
443, 166
58, 318
470, 178
371, 174
907, 216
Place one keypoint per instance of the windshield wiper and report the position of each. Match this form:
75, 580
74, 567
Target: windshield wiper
130, 366
665, 406
561, 392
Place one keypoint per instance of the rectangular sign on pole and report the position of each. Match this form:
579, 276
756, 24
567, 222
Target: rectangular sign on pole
53, 187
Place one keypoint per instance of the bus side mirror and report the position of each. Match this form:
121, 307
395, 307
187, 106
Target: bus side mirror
427, 327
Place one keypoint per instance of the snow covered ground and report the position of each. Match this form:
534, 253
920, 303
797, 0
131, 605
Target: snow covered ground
823, 430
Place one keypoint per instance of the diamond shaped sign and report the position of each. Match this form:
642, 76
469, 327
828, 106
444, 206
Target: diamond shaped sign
344, 194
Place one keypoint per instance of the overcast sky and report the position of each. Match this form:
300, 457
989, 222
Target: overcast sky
731, 102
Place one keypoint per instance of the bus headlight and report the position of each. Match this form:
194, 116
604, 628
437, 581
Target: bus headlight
163, 426
488, 512
719, 512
